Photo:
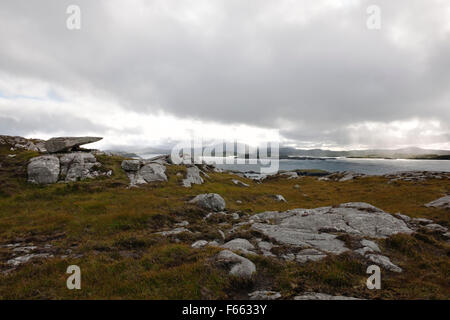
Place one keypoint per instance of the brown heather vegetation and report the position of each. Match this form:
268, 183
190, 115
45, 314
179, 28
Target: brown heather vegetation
112, 228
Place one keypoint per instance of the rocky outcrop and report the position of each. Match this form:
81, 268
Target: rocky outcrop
342, 176
209, 201
417, 176
315, 232
21, 143
63, 144
43, 170
238, 266
443, 203
78, 166
242, 245
68, 167
144, 171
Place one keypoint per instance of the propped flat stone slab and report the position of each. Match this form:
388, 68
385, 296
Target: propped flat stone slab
61, 144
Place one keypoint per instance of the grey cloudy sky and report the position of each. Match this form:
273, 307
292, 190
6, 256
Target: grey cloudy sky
154, 72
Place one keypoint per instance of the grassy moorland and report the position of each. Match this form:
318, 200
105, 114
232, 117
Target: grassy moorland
109, 231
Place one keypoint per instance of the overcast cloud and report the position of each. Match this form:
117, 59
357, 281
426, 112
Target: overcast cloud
152, 72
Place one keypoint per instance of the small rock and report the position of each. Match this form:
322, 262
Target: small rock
443, 203
24, 259
436, 227
264, 295
403, 217
153, 172
131, 165
43, 170
240, 183
370, 244
280, 198
239, 244
199, 244
309, 255
238, 266
235, 215
384, 262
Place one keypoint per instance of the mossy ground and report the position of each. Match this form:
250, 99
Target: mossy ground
112, 229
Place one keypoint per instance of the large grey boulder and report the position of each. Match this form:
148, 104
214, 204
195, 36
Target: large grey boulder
443, 203
322, 296
238, 266
209, 201
77, 166
192, 177
43, 170
153, 172
61, 144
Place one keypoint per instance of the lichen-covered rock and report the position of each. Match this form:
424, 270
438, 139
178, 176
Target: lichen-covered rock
131, 165
61, 144
77, 166
192, 177
314, 228
309, 255
199, 244
209, 201
238, 266
153, 172
43, 170
240, 183
384, 261
443, 203
436, 228
264, 295
239, 244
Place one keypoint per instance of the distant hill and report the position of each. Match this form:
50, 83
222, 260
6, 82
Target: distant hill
404, 153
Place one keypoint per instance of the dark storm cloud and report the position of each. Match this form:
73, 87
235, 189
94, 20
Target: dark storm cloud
309, 68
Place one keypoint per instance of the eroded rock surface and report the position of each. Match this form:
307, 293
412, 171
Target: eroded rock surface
43, 170
192, 177
315, 231
238, 266
209, 201
144, 171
